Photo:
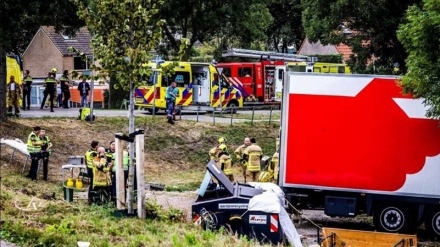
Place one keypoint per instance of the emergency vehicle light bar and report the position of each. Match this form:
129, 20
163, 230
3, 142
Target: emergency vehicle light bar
234, 52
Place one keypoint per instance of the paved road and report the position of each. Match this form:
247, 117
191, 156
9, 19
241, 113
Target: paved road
187, 115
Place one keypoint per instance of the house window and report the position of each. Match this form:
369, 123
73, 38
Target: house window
68, 37
80, 64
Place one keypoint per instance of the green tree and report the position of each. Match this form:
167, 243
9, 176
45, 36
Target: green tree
19, 22
368, 27
420, 37
190, 21
286, 28
123, 31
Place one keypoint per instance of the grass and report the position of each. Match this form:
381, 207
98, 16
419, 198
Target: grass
175, 157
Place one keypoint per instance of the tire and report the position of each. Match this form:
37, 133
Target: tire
392, 218
233, 104
432, 223
150, 110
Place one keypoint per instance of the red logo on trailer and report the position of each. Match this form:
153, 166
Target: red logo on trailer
361, 141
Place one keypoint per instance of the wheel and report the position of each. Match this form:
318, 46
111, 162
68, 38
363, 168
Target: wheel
150, 110
432, 222
392, 218
234, 105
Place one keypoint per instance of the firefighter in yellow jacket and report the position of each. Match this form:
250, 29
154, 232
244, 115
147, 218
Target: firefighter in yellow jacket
89, 156
101, 173
13, 96
213, 152
253, 155
225, 162
239, 155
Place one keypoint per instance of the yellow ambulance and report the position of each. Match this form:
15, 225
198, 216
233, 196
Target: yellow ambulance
199, 84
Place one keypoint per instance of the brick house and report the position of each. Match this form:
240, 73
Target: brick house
49, 49
309, 49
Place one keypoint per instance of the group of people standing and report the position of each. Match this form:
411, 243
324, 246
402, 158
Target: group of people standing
57, 91
249, 155
101, 169
39, 147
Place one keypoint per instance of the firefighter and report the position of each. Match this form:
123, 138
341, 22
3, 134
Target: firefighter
110, 155
213, 152
50, 89
224, 161
89, 156
239, 155
27, 88
34, 148
13, 95
101, 174
253, 154
65, 85
46, 151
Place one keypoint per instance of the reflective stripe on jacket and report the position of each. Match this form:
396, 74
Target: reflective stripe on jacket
101, 172
225, 164
254, 154
30, 146
89, 157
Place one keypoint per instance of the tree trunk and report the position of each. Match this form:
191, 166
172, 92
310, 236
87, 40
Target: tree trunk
116, 96
3, 116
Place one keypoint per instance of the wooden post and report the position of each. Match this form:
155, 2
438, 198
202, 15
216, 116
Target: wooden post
139, 140
120, 181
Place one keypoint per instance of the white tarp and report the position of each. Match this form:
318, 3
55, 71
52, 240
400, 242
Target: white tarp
17, 144
267, 202
270, 202
270, 187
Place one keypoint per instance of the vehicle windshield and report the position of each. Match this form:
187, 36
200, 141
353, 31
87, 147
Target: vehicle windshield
224, 83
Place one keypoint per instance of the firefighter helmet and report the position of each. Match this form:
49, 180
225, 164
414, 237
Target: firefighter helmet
223, 148
221, 140
54, 70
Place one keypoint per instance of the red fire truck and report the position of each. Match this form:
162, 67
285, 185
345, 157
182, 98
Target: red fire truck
256, 80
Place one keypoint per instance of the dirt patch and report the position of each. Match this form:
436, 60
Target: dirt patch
178, 200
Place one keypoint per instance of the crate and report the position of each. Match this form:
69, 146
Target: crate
75, 160
68, 194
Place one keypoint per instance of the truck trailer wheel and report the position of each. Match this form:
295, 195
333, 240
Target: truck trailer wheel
432, 222
391, 218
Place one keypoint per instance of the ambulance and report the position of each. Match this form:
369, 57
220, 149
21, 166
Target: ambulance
199, 84
13, 68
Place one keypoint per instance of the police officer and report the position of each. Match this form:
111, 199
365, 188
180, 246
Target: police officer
13, 95
239, 155
46, 151
89, 156
225, 162
50, 89
27, 87
253, 154
65, 85
34, 147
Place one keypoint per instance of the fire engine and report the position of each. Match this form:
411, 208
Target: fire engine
199, 84
261, 82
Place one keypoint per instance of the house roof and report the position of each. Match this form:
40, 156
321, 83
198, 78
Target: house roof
308, 48
80, 41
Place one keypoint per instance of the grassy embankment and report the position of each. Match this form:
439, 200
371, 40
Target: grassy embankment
174, 156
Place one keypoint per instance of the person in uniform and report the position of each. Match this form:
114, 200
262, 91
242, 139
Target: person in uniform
13, 95
27, 88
